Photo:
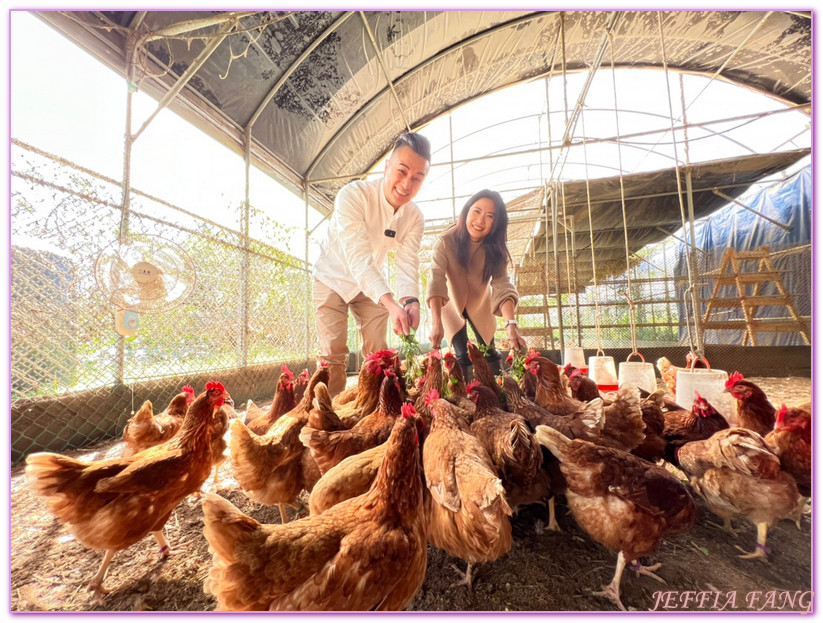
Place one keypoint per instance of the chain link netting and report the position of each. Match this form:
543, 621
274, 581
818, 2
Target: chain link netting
74, 380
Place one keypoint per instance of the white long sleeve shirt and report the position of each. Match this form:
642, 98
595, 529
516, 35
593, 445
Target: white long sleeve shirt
352, 257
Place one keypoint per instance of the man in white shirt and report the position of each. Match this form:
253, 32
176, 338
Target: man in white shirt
369, 220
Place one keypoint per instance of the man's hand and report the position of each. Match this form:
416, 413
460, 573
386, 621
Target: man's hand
413, 314
399, 318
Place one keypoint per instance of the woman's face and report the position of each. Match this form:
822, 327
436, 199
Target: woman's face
480, 219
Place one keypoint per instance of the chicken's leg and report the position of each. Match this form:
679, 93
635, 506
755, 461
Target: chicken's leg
612, 591
163, 545
96, 583
283, 518
761, 550
553, 525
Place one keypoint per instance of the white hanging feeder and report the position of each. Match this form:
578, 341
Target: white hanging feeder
603, 372
637, 373
710, 384
574, 355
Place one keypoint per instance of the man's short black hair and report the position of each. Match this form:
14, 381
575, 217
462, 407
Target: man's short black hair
418, 143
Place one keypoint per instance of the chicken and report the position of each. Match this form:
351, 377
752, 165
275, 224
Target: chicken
584, 424
360, 400
791, 441
365, 553
353, 475
623, 424
681, 427
549, 392
300, 385
754, 411
328, 448
528, 382
482, 371
508, 439
283, 402
274, 468
145, 430
621, 501
432, 380
468, 516
113, 503
582, 387
456, 387
220, 426
737, 473
653, 447
669, 371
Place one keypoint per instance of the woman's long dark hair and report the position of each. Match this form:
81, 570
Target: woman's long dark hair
497, 252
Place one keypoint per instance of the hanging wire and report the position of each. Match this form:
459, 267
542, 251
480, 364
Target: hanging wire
591, 241
623, 201
679, 186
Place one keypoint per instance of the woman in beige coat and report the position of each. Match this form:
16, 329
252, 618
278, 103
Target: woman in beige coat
469, 282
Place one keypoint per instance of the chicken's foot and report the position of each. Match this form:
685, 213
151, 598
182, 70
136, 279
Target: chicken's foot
468, 577
641, 570
760, 551
163, 551
612, 591
553, 525
96, 583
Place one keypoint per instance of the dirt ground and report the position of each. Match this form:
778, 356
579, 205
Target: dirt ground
544, 571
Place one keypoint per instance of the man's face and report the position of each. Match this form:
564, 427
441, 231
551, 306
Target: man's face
403, 176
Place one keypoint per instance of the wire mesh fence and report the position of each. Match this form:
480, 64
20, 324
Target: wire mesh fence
74, 380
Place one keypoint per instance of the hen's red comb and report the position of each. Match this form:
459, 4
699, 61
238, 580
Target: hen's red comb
509, 359
449, 356
432, 396
781, 415
407, 410
436, 354
285, 370
531, 356
215, 385
324, 364
188, 389
734, 378
471, 386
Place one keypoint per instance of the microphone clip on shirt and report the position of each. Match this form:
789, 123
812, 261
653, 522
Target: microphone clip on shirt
390, 233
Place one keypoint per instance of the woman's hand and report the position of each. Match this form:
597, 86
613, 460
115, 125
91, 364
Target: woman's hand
436, 334
515, 339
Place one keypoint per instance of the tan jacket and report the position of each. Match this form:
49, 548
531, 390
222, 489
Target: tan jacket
466, 290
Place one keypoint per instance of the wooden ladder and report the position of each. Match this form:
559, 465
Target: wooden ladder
732, 273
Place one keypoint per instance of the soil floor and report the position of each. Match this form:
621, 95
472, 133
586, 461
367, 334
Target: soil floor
544, 571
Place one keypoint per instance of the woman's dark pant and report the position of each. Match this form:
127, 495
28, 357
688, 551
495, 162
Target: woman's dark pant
461, 351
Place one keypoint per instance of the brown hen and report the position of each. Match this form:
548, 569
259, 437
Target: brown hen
145, 429
621, 501
365, 553
113, 503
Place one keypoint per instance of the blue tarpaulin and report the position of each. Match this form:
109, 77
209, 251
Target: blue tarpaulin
788, 202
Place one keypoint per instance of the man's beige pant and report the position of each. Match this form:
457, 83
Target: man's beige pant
331, 316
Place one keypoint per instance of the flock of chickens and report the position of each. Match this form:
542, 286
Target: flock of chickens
393, 464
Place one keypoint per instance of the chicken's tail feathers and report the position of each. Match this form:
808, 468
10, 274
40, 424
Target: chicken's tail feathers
144, 413
592, 417
553, 439
225, 525
47, 472
524, 449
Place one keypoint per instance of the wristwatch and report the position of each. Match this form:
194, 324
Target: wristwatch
508, 322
